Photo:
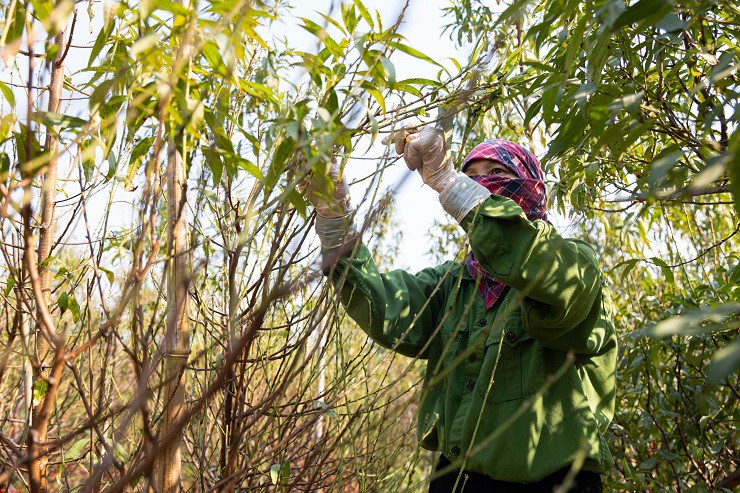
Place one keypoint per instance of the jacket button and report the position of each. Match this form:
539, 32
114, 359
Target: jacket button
511, 336
482, 322
455, 450
471, 385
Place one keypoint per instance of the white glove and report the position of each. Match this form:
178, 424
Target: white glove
462, 196
328, 193
336, 232
426, 152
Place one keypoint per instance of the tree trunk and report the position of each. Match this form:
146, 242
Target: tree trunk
39, 423
177, 337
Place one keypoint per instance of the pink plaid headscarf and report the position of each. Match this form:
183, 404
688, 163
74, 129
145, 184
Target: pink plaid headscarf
527, 189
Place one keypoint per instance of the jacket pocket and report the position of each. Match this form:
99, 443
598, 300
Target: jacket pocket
520, 368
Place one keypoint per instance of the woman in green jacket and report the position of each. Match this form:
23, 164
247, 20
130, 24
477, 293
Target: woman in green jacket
519, 341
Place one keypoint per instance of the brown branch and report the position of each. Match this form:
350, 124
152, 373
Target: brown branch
37, 435
69, 42
40, 277
730, 481
677, 195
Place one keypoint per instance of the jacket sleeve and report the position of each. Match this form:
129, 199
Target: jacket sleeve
397, 309
563, 306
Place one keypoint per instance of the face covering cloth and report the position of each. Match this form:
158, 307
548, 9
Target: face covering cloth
527, 189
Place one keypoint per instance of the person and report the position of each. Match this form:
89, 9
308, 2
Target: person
520, 345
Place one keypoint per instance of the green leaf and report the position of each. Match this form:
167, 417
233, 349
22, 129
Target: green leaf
644, 12
420, 81
29, 165
598, 52
4, 167
64, 122
412, 52
284, 150
280, 472
376, 94
512, 11
331, 102
259, 91
63, 301
74, 308
68, 302
213, 160
667, 271
698, 321
6, 126
16, 25
100, 42
109, 274
349, 17
10, 283
99, 93
170, 6
249, 167
56, 20
648, 463
212, 54
331, 21
628, 266
137, 154
296, 198
725, 362
143, 44
671, 23
7, 93
568, 133
87, 156
39, 391
733, 170
661, 165
390, 70
76, 449
112, 166
322, 34
364, 13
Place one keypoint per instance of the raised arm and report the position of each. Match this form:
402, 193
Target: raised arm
564, 305
397, 309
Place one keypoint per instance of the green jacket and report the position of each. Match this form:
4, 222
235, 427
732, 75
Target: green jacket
515, 392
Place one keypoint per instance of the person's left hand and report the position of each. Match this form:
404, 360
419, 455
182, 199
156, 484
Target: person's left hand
427, 148
330, 199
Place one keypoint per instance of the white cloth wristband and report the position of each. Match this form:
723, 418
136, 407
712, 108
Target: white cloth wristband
336, 231
462, 195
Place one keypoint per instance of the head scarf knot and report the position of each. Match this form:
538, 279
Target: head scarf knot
527, 189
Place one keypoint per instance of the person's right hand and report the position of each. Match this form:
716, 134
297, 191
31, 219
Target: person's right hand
329, 194
410, 156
